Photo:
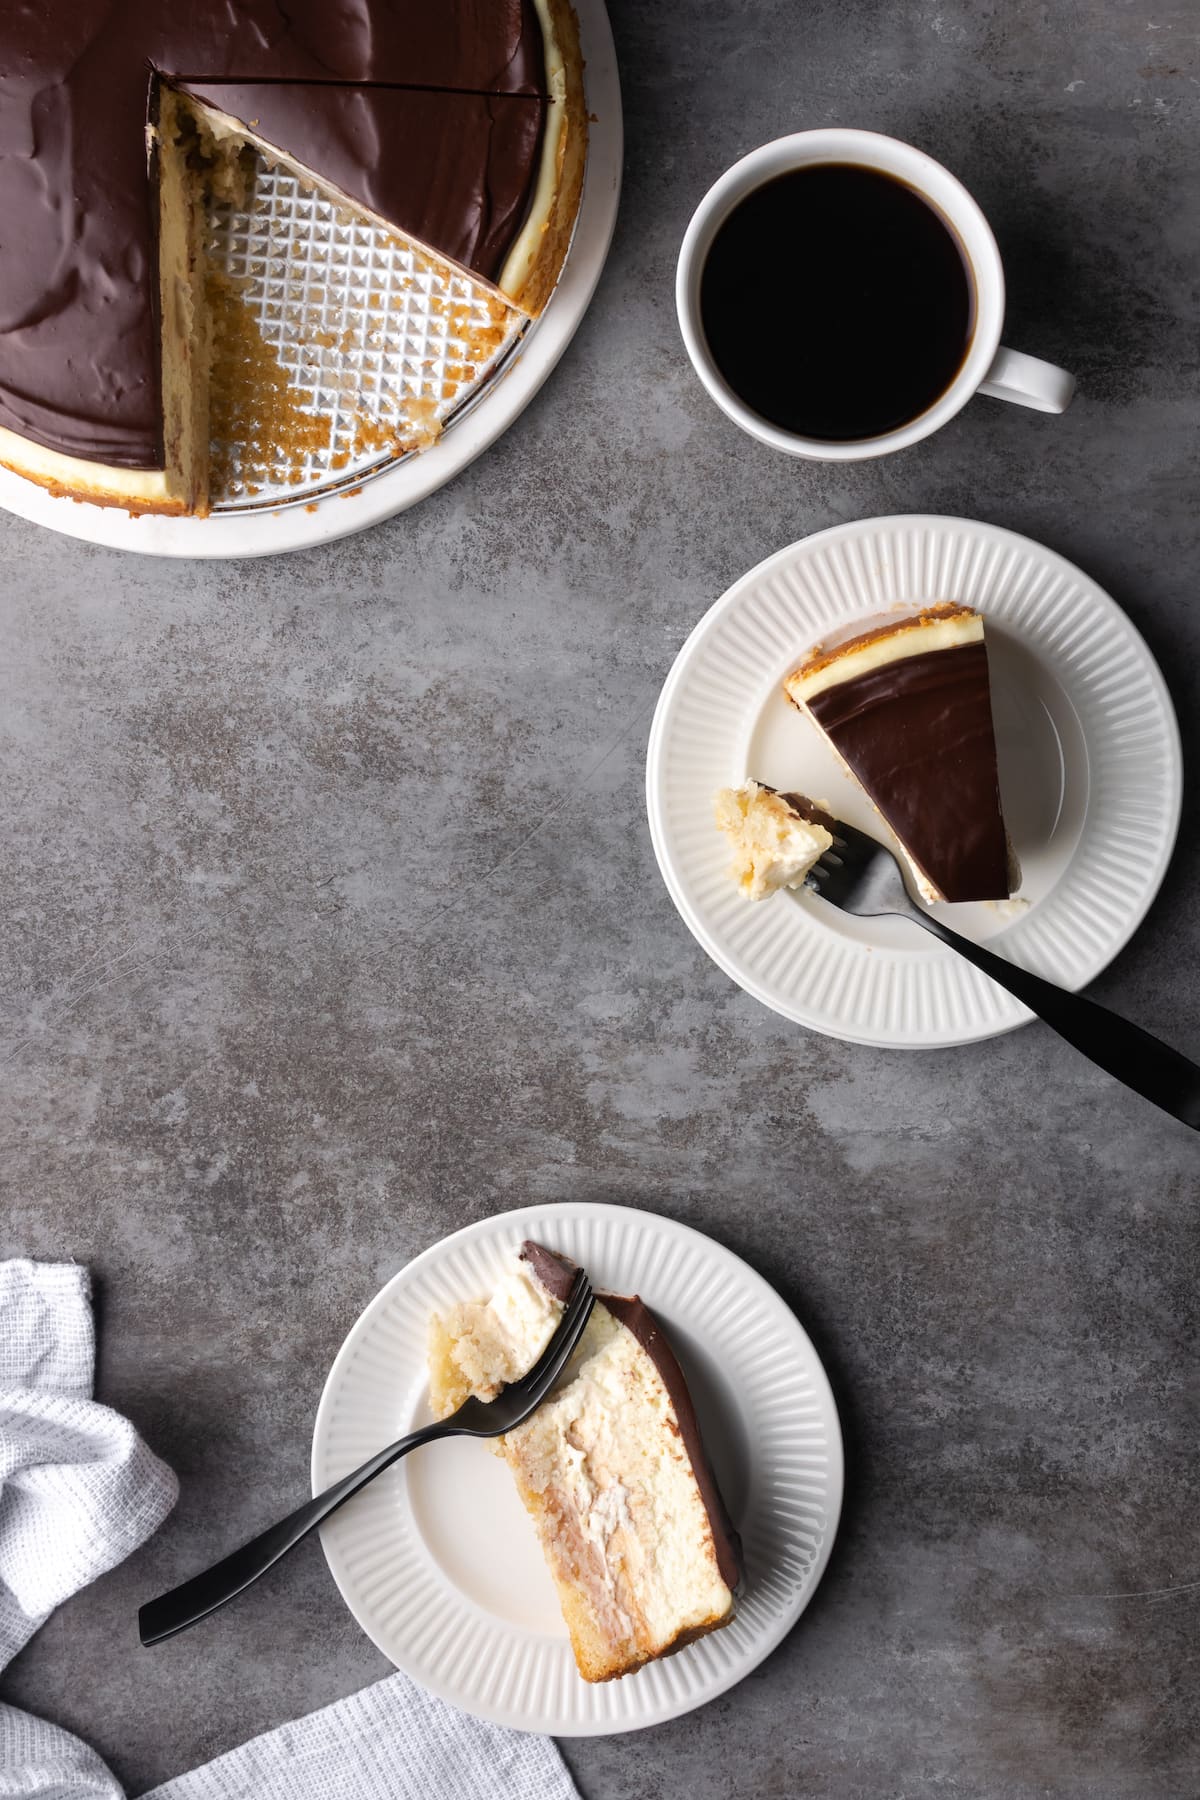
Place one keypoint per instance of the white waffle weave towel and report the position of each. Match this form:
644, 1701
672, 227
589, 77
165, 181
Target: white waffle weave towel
392, 1741
78, 1491
78, 1488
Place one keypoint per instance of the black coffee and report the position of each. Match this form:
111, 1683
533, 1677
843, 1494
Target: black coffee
836, 302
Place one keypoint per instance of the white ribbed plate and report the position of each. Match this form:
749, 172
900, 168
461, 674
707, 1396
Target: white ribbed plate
1090, 773
438, 1560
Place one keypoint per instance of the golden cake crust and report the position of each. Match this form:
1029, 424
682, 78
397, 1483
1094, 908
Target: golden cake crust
565, 161
819, 657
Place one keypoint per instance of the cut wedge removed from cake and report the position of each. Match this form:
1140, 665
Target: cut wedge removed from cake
611, 1467
457, 128
907, 708
775, 838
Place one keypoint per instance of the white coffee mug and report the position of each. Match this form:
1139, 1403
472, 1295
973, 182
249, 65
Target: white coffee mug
988, 367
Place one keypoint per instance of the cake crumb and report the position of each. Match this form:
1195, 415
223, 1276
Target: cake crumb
251, 400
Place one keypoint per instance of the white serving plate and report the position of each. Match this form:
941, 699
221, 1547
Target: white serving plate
1090, 772
438, 1560
301, 520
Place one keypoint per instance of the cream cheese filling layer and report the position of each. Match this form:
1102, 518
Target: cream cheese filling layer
772, 846
90, 480
912, 638
607, 1456
479, 1346
603, 1470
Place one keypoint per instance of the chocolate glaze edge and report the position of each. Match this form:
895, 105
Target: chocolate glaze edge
636, 1316
803, 807
555, 1271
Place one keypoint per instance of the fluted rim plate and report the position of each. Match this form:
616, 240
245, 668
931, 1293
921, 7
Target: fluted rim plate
1090, 771
438, 1561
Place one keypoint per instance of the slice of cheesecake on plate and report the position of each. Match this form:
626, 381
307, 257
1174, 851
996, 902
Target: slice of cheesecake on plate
906, 706
611, 1467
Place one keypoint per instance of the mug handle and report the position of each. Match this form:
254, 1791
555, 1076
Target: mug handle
1028, 381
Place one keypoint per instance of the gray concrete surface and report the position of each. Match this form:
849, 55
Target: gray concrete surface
330, 923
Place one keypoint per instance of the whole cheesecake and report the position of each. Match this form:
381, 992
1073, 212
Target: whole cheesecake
458, 124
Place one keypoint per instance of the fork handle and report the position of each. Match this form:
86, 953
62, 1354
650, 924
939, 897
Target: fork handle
204, 1593
1143, 1062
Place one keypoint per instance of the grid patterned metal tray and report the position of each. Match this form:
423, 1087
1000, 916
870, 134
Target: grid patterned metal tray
340, 347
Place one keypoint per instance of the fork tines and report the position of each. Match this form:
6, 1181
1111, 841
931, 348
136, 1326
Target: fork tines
568, 1332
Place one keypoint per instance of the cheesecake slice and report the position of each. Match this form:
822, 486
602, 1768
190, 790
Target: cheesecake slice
907, 708
611, 1467
775, 838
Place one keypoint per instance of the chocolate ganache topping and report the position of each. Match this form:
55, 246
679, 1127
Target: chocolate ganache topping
917, 732
429, 112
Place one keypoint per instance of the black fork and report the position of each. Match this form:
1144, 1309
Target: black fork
864, 877
204, 1593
